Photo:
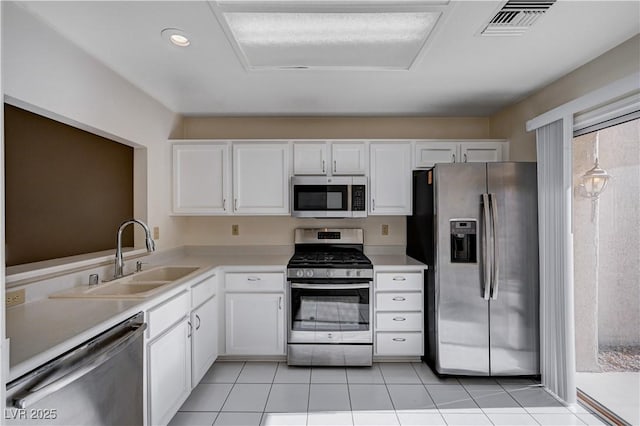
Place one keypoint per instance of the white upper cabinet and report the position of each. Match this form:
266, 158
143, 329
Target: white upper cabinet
429, 153
390, 178
481, 152
310, 158
201, 178
348, 158
261, 178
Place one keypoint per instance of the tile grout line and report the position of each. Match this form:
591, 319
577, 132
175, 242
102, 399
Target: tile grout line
233, 385
395, 411
429, 393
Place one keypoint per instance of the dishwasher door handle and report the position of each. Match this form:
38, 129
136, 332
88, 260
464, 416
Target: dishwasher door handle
37, 393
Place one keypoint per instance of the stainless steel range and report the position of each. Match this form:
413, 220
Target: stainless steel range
330, 293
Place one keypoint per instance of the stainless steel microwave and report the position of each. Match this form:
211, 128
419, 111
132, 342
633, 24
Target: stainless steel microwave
329, 196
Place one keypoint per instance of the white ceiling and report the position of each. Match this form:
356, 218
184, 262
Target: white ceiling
458, 74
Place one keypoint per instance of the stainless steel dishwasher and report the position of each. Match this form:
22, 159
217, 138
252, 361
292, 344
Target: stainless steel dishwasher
97, 383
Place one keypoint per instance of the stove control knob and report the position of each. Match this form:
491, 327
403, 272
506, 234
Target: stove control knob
308, 272
330, 273
358, 273
299, 273
349, 273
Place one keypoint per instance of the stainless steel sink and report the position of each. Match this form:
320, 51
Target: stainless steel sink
136, 286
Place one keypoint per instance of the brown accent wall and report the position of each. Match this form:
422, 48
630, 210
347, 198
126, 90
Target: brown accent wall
67, 190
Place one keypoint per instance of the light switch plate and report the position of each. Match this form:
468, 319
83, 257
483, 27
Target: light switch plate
385, 229
156, 232
235, 229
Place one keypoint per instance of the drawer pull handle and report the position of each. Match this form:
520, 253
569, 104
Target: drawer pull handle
399, 319
399, 278
399, 299
399, 339
253, 278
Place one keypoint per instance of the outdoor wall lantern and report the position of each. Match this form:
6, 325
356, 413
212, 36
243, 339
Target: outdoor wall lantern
593, 183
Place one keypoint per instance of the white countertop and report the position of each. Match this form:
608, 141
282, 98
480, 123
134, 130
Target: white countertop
401, 261
44, 329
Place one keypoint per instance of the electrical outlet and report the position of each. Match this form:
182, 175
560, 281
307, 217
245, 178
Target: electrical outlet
385, 229
156, 232
235, 229
14, 298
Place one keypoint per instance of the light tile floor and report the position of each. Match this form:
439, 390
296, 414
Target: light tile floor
271, 393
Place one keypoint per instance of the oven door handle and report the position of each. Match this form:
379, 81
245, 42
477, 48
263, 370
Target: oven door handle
330, 286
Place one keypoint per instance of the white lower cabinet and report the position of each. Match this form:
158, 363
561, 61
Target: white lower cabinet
254, 323
204, 340
399, 317
169, 372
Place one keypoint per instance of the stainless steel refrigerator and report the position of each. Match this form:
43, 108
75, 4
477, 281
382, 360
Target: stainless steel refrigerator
476, 227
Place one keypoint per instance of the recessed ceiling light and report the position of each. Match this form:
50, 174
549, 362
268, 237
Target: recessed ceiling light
176, 37
329, 28
388, 39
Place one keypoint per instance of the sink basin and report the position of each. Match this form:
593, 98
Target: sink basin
126, 288
137, 286
163, 273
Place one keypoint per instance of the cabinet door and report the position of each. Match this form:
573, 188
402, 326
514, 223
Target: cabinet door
254, 324
200, 178
348, 158
204, 342
261, 178
390, 179
169, 372
309, 158
427, 154
481, 152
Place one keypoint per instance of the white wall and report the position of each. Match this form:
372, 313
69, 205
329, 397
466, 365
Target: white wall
509, 123
45, 73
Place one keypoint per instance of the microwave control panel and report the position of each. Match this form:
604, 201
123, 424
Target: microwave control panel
358, 198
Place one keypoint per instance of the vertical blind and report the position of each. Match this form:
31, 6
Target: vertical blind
557, 340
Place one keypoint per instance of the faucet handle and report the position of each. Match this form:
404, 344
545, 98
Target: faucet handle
139, 264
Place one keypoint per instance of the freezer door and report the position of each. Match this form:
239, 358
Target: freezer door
461, 313
514, 336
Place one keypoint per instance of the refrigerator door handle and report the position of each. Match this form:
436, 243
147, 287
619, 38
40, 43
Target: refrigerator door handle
486, 271
496, 257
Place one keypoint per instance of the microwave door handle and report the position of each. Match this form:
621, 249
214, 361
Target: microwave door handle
348, 198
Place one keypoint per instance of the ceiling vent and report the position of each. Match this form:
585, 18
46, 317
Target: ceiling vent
516, 17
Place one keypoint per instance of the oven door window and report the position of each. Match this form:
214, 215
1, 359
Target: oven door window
320, 197
330, 310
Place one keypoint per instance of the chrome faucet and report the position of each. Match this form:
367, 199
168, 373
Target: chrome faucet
151, 245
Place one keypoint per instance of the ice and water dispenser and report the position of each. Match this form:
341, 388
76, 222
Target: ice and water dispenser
463, 240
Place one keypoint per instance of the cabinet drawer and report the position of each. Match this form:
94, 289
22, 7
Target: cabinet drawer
399, 301
399, 321
203, 290
398, 343
166, 314
399, 281
261, 281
